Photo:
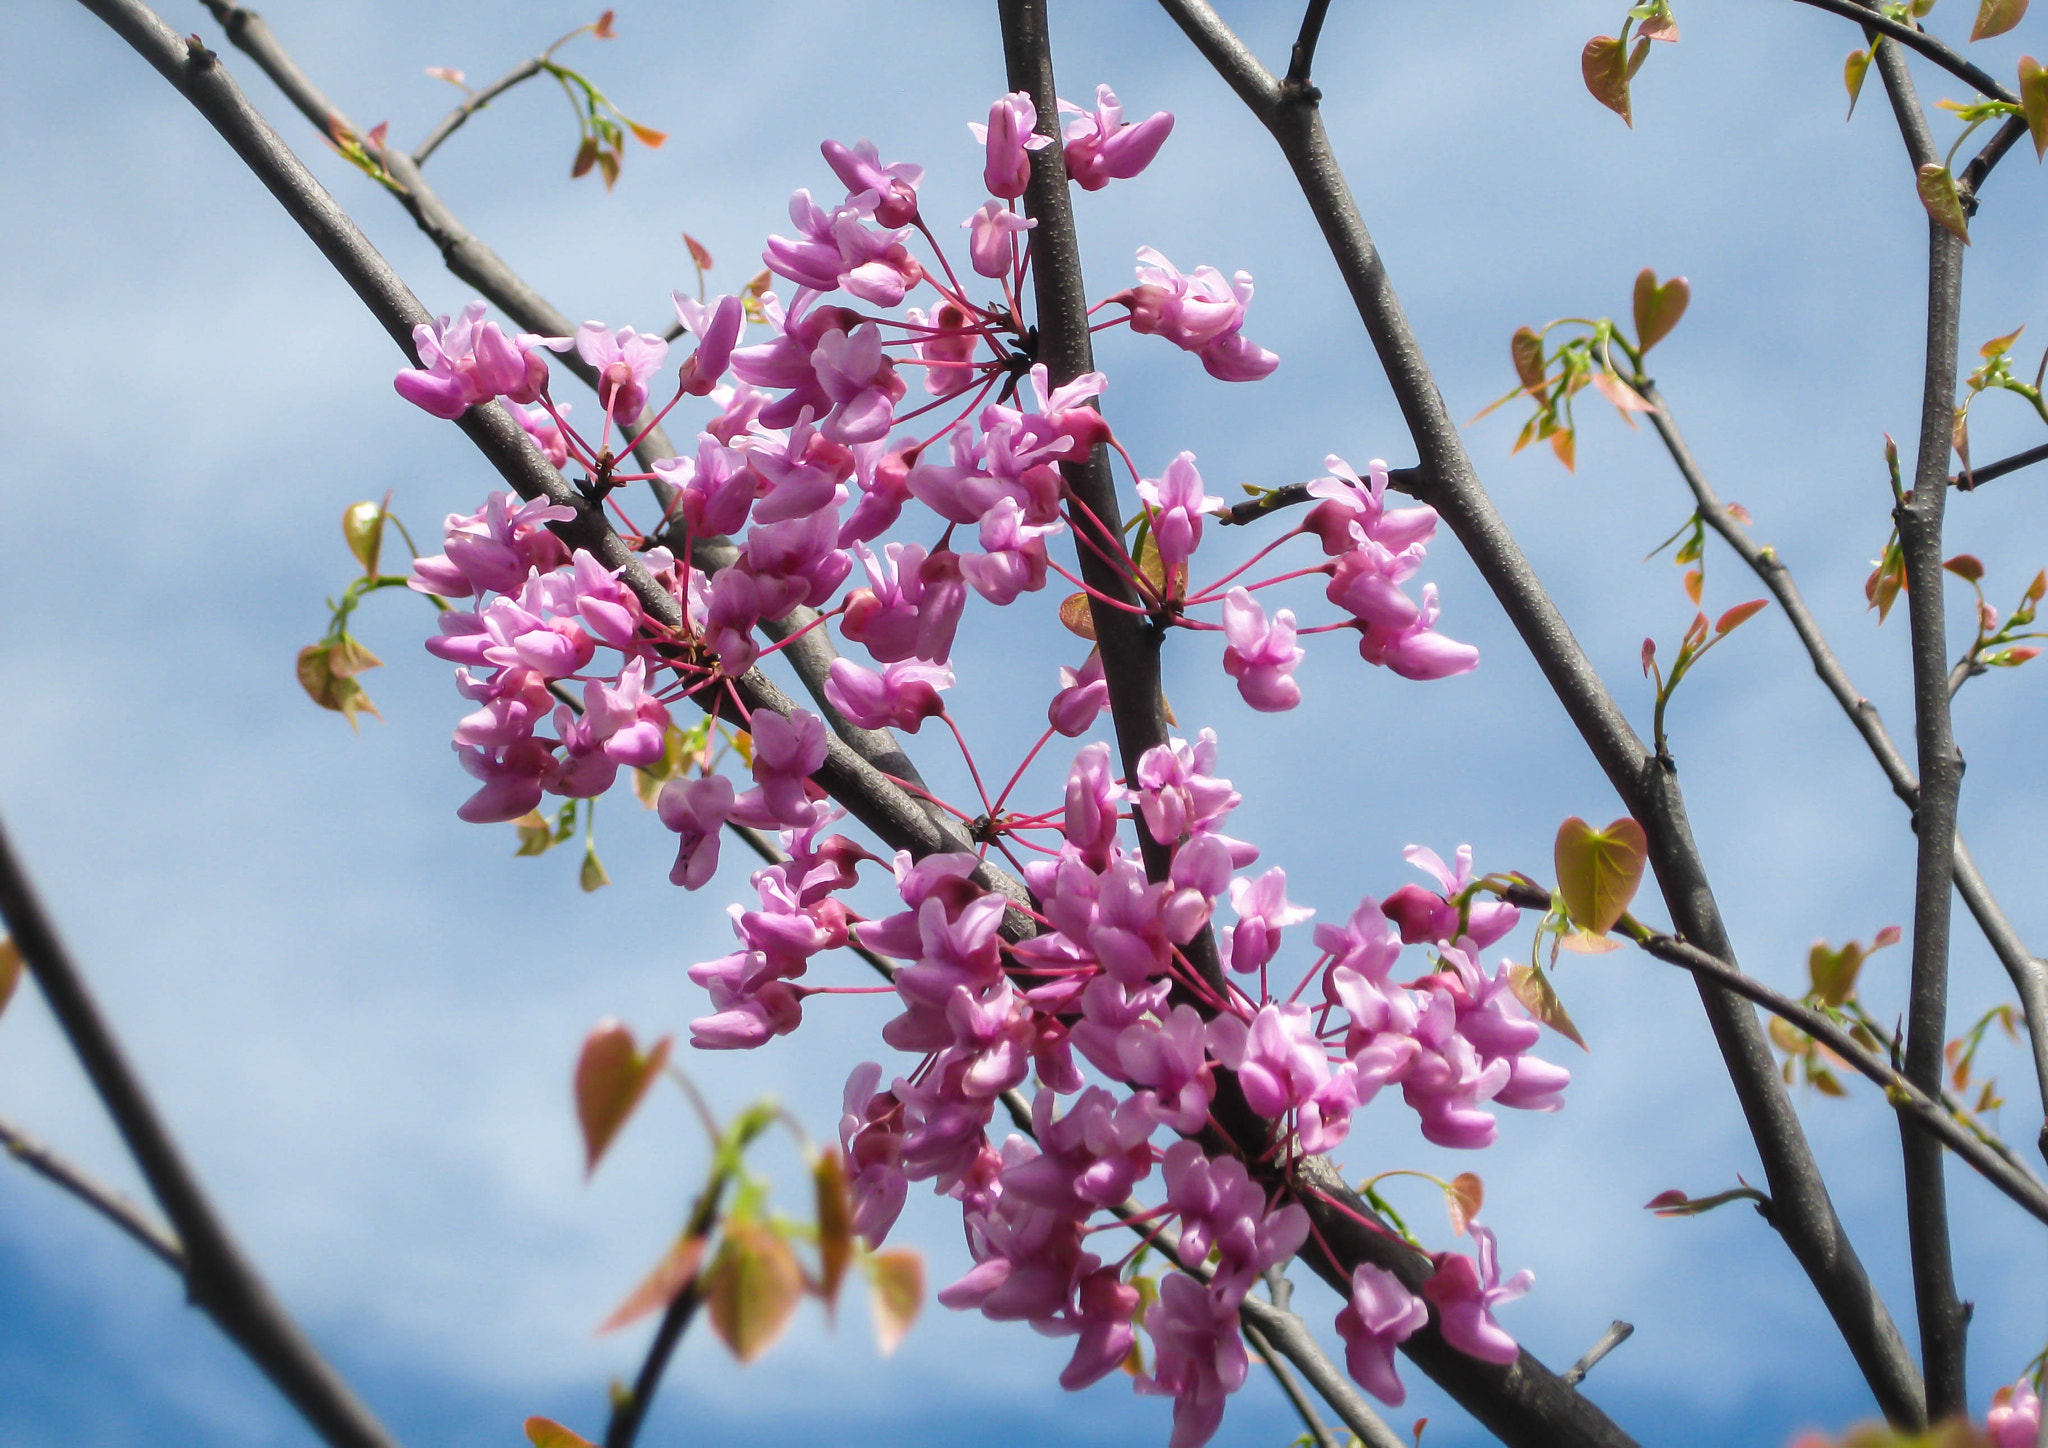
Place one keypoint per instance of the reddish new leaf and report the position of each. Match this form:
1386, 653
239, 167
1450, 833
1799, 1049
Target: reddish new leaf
699, 257
1598, 870
1995, 17
1539, 997
676, 1270
1605, 65
2034, 102
611, 1077
752, 1289
1075, 614
1658, 307
1938, 194
1675, 1203
1527, 350
547, 1433
1737, 616
835, 1224
1964, 566
1463, 1200
648, 136
895, 1292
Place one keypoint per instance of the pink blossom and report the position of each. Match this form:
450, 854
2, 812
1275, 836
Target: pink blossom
2015, 1418
717, 487
1013, 558
717, 329
624, 360
1101, 147
861, 382
545, 431
1348, 498
696, 809
1200, 1362
1278, 1060
493, 549
1178, 796
1418, 651
628, 722
947, 353
1176, 504
787, 752
1262, 911
902, 696
871, 1136
1091, 806
890, 191
990, 245
1261, 655
511, 779
911, 607
1382, 1313
1426, 917
1465, 1294
1365, 943
467, 361
1009, 137
1102, 1315
1083, 695
1090, 1157
1198, 313
1168, 1058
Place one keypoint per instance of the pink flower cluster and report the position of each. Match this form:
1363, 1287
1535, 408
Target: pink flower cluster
813, 459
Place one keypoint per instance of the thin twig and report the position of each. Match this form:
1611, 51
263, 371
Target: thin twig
452, 122
1807, 1220
220, 1280
1914, 38
1617, 1334
1301, 60
629, 1410
1904, 1097
1979, 476
1289, 1388
103, 1199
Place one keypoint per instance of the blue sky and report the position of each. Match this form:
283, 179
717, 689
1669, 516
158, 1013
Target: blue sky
360, 1013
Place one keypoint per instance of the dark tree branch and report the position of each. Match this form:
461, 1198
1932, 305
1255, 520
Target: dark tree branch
1806, 1217
95, 1194
1978, 476
1303, 57
2029, 975
221, 1282
1318, 1431
1914, 38
452, 122
629, 1412
1288, 495
1903, 1096
1971, 181
1617, 1334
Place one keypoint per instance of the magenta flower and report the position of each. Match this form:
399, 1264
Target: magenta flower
1013, 559
1100, 147
861, 382
2015, 1419
1466, 1292
1201, 1359
1010, 138
889, 191
1278, 1060
1382, 1313
1176, 504
1082, 697
787, 752
1261, 655
1169, 1058
1104, 1308
494, 549
902, 696
718, 487
1426, 917
696, 809
1198, 313
546, 433
467, 361
1090, 1157
1418, 651
1262, 912
989, 244
871, 1136
511, 778
624, 360
717, 330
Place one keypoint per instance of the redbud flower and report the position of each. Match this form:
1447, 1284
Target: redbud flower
468, 360
1101, 147
871, 1135
860, 380
1262, 654
1198, 313
902, 696
889, 191
1382, 1313
1013, 560
2015, 1419
1200, 1358
1262, 911
546, 433
1009, 136
1102, 1316
988, 242
787, 752
1177, 504
696, 809
1465, 1294
511, 780
1082, 697
1418, 652
624, 360
717, 329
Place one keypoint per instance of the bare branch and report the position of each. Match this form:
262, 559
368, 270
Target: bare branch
1807, 1219
219, 1279
101, 1198
1977, 476
1617, 1334
452, 122
1318, 1431
1914, 38
1303, 57
629, 1411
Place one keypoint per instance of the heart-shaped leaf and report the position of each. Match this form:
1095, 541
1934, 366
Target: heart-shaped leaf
1833, 972
1966, 566
753, 1288
1539, 997
1598, 870
1605, 66
547, 1433
1658, 308
1938, 195
1526, 347
2034, 102
1995, 17
611, 1078
1853, 70
676, 1270
1466, 1195
895, 1292
1075, 615
362, 525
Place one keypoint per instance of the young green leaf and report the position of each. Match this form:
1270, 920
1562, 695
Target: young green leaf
1605, 65
1658, 307
2034, 102
362, 525
536, 835
1539, 997
753, 1288
547, 1433
592, 875
676, 1270
1833, 972
1853, 70
611, 1078
895, 1292
1938, 194
1598, 870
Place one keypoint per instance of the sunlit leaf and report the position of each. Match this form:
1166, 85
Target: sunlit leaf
699, 257
592, 875
536, 835
1598, 870
586, 157
362, 525
2034, 102
326, 671
647, 135
1564, 443
1788, 1037
753, 1288
895, 1292
10, 969
1833, 972
835, 1224
603, 28
1605, 65
1694, 582
449, 74
1527, 350
1737, 616
547, 1433
1938, 194
1658, 308
1624, 397
1995, 17
1965, 566
1075, 614
1466, 1196
611, 1078
1539, 997
676, 1270
1853, 70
